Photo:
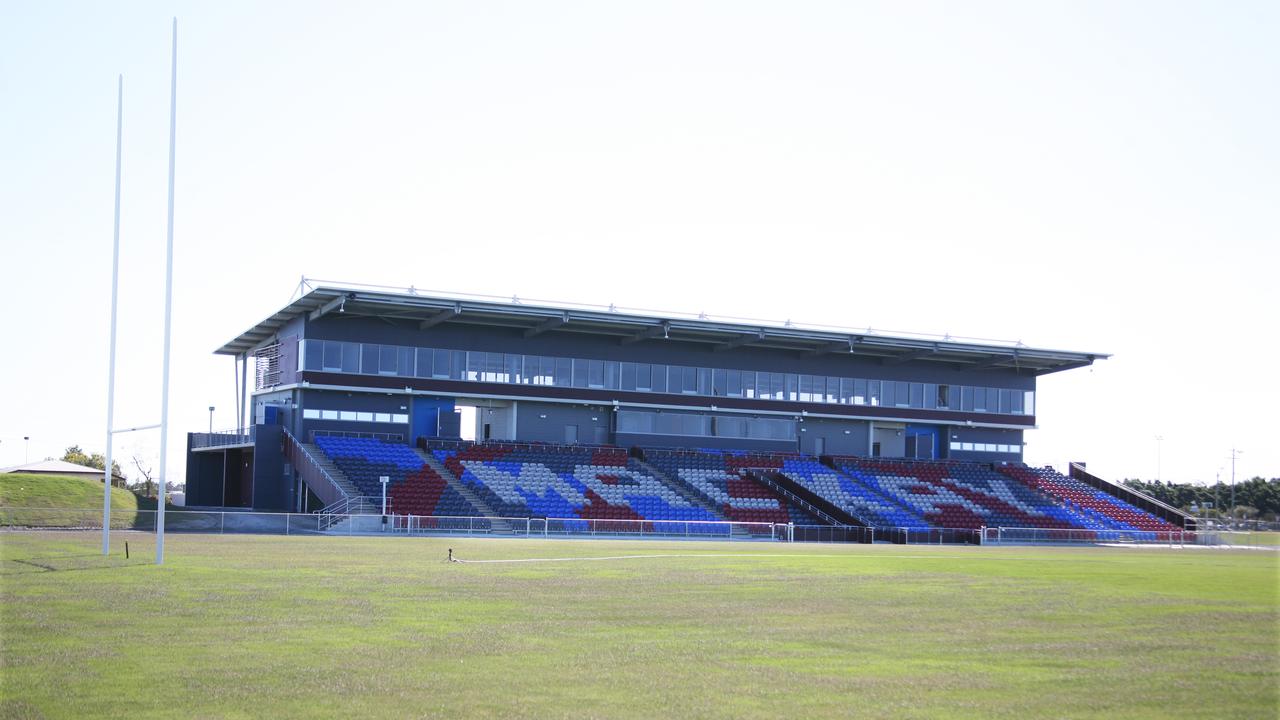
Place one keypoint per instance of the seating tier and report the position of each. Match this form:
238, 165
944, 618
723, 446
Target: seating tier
565, 482
413, 487
722, 479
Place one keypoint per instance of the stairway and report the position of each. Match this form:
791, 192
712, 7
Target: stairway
736, 531
498, 525
680, 488
324, 463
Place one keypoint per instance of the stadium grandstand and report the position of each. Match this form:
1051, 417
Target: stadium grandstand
506, 409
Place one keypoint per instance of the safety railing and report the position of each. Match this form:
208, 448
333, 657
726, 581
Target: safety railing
366, 520
313, 473
1056, 536
345, 508
223, 438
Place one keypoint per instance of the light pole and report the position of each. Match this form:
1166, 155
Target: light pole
26, 449
1234, 454
210, 419
1159, 447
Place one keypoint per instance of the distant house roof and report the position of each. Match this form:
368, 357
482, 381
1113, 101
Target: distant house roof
54, 467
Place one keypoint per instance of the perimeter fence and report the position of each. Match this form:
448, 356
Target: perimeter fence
263, 523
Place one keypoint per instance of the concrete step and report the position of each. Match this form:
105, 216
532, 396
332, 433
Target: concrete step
680, 488
338, 476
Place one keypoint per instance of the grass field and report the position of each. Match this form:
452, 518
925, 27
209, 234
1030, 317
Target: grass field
268, 626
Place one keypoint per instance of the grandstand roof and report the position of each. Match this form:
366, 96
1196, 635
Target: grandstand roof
630, 326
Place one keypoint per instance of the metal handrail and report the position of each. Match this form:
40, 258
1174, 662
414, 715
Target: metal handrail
223, 438
301, 450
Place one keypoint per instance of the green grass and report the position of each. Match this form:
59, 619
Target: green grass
61, 501
262, 626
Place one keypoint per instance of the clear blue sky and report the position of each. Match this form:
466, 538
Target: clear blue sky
1099, 176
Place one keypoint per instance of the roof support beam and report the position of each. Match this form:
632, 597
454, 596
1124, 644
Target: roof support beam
548, 324
836, 346
650, 332
990, 362
442, 316
328, 307
739, 341
908, 357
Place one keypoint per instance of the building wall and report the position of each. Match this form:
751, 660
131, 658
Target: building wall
671, 352
839, 437
546, 422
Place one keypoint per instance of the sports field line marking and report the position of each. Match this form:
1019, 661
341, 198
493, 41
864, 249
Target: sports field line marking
731, 555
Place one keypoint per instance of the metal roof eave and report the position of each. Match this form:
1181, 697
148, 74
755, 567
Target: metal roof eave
629, 327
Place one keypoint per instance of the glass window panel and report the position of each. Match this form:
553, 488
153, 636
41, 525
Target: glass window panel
930, 396
350, 357
806, 388
944, 396
457, 364
312, 354
627, 381
515, 367
422, 363
720, 382
1029, 403
495, 368
749, 383
859, 392
611, 374
979, 399
733, 384
386, 360
644, 377
659, 378
308, 414
564, 372
966, 398
405, 361
887, 393
693, 380
993, 400
667, 424
1016, 400
917, 395
329, 414
399, 418
349, 415
903, 393
475, 365
332, 355
833, 390
704, 381
364, 416
873, 392
595, 373
792, 389
382, 417
369, 359
580, 373
440, 363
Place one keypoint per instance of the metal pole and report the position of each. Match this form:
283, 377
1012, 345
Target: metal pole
111, 359
168, 301
1234, 454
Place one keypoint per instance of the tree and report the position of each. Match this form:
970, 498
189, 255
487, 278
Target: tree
144, 471
77, 456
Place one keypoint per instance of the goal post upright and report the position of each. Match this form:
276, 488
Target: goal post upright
168, 304
111, 361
